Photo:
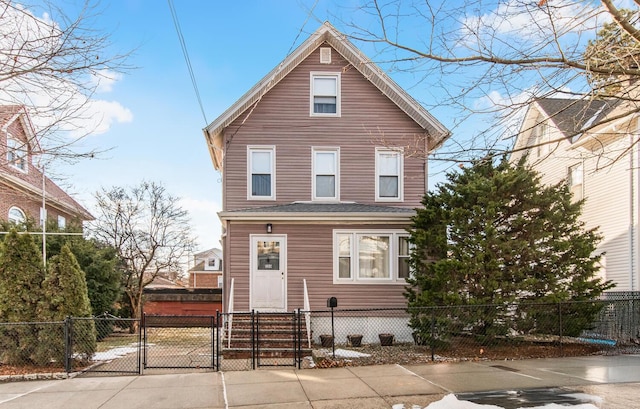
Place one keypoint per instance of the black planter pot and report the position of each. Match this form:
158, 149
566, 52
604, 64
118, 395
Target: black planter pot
386, 339
326, 340
355, 340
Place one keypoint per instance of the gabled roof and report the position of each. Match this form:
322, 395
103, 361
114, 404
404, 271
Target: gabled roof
572, 116
326, 33
31, 184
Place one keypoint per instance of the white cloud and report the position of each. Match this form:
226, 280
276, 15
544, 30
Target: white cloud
60, 102
530, 22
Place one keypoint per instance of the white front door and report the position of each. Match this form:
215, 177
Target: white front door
268, 272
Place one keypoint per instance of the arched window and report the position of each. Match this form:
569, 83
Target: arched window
16, 215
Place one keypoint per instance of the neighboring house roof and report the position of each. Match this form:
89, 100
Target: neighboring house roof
319, 211
572, 116
31, 185
208, 253
162, 282
326, 33
198, 267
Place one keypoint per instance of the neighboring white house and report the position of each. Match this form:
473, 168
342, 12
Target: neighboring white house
207, 269
600, 163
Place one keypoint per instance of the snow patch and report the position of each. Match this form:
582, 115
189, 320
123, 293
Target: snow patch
451, 402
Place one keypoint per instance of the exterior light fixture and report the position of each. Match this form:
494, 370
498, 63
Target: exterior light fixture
269, 228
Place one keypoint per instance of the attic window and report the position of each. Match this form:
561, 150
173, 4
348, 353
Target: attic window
325, 55
16, 154
325, 94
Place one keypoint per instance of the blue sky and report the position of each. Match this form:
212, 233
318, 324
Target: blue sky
231, 46
156, 129
158, 135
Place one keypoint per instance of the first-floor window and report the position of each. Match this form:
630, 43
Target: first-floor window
16, 215
62, 222
370, 256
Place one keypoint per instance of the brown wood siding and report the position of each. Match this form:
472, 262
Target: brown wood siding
310, 257
281, 119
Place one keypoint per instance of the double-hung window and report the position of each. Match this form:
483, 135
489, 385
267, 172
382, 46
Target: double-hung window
325, 94
326, 174
576, 181
389, 175
370, 256
261, 172
16, 154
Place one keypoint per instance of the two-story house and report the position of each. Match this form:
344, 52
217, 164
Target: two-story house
318, 184
25, 192
207, 269
600, 163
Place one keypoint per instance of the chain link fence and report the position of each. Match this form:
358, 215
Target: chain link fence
305, 339
513, 331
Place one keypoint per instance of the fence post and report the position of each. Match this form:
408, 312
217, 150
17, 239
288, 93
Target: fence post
142, 341
433, 334
560, 327
253, 340
68, 345
217, 340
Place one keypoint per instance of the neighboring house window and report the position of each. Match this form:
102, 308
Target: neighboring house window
576, 181
389, 175
62, 222
326, 174
219, 281
325, 94
261, 173
16, 154
16, 215
370, 256
542, 139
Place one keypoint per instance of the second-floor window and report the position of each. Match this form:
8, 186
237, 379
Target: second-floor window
326, 175
325, 94
261, 172
576, 181
16, 154
389, 175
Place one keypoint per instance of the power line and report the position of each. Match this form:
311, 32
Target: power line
183, 45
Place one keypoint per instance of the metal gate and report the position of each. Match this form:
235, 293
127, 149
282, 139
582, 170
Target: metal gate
174, 341
120, 345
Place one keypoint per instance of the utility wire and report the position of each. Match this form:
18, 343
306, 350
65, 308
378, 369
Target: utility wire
176, 23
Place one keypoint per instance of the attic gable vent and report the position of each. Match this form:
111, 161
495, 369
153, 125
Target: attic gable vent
325, 55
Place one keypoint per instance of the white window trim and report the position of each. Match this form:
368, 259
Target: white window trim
24, 216
265, 148
572, 184
336, 75
400, 197
393, 257
336, 151
62, 222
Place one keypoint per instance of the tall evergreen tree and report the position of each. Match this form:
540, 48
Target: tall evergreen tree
21, 291
65, 295
493, 235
